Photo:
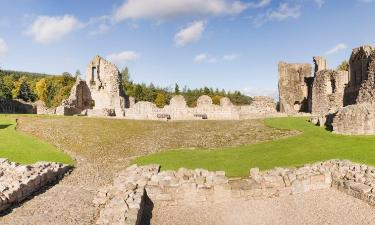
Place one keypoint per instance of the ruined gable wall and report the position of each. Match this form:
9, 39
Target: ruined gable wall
293, 89
358, 72
367, 89
328, 91
104, 81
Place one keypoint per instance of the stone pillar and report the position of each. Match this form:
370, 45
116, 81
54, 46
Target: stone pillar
320, 64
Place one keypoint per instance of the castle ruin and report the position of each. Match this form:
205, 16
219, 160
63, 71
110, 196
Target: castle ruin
103, 95
341, 100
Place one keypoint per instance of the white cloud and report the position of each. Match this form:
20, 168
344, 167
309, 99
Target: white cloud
366, 1
283, 12
204, 58
251, 91
48, 29
166, 9
337, 48
260, 4
3, 48
190, 33
230, 57
319, 3
123, 57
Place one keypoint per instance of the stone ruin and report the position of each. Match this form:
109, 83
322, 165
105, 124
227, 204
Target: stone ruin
340, 100
17, 106
124, 201
299, 91
102, 95
294, 83
18, 182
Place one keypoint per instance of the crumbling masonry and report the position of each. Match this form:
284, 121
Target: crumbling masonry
343, 101
103, 95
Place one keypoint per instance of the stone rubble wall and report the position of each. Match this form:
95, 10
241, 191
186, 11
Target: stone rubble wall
358, 72
18, 182
328, 91
356, 119
122, 203
293, 88
17, 106
178, 109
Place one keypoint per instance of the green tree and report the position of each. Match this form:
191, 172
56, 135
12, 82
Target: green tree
41, 90
160, 100
344, 66
176, 89
216, 99
22, 91
78, 73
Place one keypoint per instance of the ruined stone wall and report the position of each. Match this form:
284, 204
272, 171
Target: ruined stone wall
367, 90
358, 119
293, 87
104, 81
328, 91
18, 182
358, 72
123, 201
178, 110
17, 106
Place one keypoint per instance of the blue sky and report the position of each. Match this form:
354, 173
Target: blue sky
228, 44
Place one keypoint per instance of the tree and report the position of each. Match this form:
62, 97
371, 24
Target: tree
125, 74
78, 73
216, 100
344, 66
22, 91
160, 100
41, 90
176, 89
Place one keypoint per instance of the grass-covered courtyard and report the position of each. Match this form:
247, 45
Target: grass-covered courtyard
23, 148
313, 144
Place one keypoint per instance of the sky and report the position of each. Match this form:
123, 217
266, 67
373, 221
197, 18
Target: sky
225, 44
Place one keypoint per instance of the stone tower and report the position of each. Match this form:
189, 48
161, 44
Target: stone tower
294, 85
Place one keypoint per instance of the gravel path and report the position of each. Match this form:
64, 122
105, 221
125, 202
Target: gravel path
321, 207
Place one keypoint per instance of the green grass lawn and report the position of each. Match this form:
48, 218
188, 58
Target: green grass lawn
314, 144
22, 148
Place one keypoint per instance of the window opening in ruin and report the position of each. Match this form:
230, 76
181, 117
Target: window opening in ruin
94, 72
333, 86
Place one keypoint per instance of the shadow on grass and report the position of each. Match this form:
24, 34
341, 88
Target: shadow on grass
4, 126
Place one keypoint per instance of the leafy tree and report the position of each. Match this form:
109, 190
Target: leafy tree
160, 100
41, 90
216, 99
176, 89
344, 66
78, 73
22, 91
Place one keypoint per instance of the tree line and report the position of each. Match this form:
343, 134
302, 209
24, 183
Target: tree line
30, 87
53, 89
162, 95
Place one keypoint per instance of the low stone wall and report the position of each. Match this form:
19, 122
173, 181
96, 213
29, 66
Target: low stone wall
123, 202
16, 106
17, 182
356, 119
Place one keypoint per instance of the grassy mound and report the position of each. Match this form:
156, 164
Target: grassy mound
314, 144
22, 148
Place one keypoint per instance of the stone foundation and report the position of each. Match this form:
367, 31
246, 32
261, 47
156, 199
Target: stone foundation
122, 203
17, 182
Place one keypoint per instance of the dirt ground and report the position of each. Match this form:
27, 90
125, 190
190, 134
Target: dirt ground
313, 208
102, 147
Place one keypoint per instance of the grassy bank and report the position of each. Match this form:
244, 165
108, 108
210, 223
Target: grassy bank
314, 144
25, 149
